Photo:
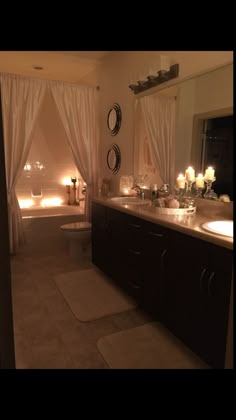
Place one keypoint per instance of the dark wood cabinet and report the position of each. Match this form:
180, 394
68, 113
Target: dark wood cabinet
180, 280
197, 295
155, 248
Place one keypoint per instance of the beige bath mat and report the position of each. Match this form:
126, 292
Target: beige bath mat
150, 346
91, 295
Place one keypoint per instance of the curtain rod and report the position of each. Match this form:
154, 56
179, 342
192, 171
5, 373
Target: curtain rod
49, 80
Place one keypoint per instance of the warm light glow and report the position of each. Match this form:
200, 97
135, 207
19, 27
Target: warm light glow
180, 180
200, 181
125, 191
209, 173
51, 202
27, 167
190, 174
66, 181
25, 204
220, 227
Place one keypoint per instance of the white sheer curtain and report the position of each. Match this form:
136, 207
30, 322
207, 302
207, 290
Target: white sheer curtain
77, 106
21, 100
159, 117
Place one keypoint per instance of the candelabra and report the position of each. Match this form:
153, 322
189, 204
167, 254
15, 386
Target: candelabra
199, 191
188, 199
188, 191
209, 193
68, 192
74, 180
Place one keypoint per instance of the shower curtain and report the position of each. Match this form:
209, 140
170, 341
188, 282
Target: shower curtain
21, 100
77, 106
159, 118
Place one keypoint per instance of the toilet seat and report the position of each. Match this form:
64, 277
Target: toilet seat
76, 227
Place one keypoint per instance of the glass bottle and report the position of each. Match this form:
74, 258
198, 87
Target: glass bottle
164, 191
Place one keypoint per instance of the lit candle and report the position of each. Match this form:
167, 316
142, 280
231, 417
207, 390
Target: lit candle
210, 173
180, 180
190, 174
126, 191
200, 181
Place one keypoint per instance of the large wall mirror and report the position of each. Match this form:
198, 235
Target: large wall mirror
114, 119
204, 125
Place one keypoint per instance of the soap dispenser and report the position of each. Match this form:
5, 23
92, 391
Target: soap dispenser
154, 192
164, 191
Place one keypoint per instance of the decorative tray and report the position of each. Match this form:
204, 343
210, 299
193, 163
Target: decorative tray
169, 211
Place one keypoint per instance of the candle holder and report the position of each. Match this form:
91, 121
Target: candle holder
68, 192
199, 192
188, 191
74, 180
209, 193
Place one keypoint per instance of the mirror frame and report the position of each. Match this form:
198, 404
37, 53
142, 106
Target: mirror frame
114, 131
116, 167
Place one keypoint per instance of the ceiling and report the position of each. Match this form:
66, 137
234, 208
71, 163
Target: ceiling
70, 66
79, 66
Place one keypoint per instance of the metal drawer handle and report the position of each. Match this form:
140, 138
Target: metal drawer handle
135, 226
162, 259
209, 283
201, 278
132, 251
135, 286
156, 234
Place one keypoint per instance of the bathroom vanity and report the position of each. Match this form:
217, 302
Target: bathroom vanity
176, 271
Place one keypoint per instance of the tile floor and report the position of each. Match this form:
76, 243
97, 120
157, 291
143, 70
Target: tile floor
46, 333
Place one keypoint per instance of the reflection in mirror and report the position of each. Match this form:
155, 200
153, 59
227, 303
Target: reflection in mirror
114, 119
114, 158
203, 137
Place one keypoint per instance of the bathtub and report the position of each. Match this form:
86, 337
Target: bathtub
38, 211
42, 227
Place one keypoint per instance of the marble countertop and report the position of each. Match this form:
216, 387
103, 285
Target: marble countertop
189, 224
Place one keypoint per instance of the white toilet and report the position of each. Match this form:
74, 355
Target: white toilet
78, 235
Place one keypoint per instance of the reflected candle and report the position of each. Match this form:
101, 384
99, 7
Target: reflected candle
200, 181
180, 180
190, 174
210, 173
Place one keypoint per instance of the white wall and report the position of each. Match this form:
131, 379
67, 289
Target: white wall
214, 90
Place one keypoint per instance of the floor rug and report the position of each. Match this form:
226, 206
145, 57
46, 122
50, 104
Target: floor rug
92, 295
150, 346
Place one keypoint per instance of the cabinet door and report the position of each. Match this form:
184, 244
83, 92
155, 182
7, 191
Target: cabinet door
154, 258
186, 263
101, 251
197, 295
213, 319
117, 245
133, 255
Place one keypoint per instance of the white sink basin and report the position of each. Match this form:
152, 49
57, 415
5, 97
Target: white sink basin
220, 227
130, 200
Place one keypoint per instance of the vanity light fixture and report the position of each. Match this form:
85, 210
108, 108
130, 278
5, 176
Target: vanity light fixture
151, 81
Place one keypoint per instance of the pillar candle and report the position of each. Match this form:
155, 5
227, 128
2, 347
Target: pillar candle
190, 174
200, 181
180, 180
210, 173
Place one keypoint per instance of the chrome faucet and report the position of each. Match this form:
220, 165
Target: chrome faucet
139, 191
